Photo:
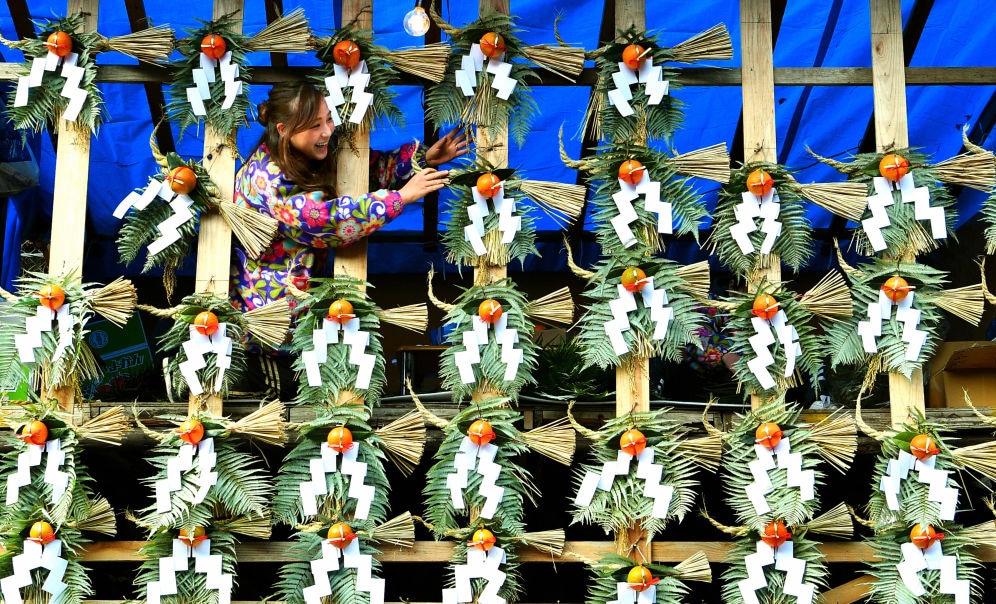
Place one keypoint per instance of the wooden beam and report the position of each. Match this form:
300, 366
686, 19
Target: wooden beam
21, 17
139, 20
854, 590
430, 204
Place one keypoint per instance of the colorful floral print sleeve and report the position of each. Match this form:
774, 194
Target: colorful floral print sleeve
309, 221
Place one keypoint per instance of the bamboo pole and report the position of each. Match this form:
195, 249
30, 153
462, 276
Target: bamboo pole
891, 130
72, 176
353, 175
214, 243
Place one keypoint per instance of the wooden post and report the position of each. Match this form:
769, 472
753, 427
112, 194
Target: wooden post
633, 376
758, 84
891, 131
214, 243
72, 176
353, 175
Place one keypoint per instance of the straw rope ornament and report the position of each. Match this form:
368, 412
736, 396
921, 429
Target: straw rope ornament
641, 307
908, 210
49, 504
475, 492
489, 93
208, 339
771, 473
489, 223
896, 316
43, 330
779, 335
210, 82
58, 78
337, 341
921, 553
631, 103
643, 474
619, 579
491, 346
164, 215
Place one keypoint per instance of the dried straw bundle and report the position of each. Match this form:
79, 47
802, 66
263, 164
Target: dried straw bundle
498, 253
482, 109
851, 272
443, 306
858, 420
696, 278
985, 418
835, 522
556, 307
115, 301
830, 298
269, 323
575, 164
733, 531
265, 424
399, 531
577, 270
254, 230
564, 61
967, 303
591, 126
551, 542
554, 440
100, 519
259, 527
837, 437
980, 457
109, 427
413, 317
710, 163
427, 62
558, 197
289, 33
404, 441
845, 199
980, 534
429, 416
973, 170
704, 451
695, 568
985, 289
149, 45
714, 44
849, 168
586, 432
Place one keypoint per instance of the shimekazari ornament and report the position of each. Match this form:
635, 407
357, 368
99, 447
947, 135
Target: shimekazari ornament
771, 474
619, 579
475, 493
494, 351
164, 215
209, 82
338, 344
43, 329
907, 209
207, 359
490, 223
632, 101
59, 75
640, 307
922, 554
778, 334
193, 563
896, 315
50, 503
761, 214
640, 459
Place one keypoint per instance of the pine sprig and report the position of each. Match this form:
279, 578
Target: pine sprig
446, 103
338, 373
648, 122
624, 504
178, 107
794, 246
598, 350
490, 372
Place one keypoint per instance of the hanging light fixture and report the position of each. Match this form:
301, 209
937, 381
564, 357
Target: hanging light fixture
417, 21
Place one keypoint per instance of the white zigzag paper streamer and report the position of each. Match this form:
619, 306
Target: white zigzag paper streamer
66, 322
759, 342
651, 190
474, 339
653, 80
761, 486
653, 488
651, 76
481, 458
508, 223
199, 345
326, 464
896, 472
770, 209
229, 75
26, 460
755, 563
183, 462
39, 65
603, 480
203, 76
804, 480
910, 317
169, 229
354, 337
788, 337
784, 560
922, 210
35, 555
470, 64
627, 215
320, 466
501, 81
205, 562
351, 558
627, 595
139, 201
480, 565
34, 327
53, 473
362, 99
745, 212
357, 471
73, 74
879, 217
933, 558
939, 490
654, 299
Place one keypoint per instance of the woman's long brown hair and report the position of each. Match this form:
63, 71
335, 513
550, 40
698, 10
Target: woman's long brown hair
295, 105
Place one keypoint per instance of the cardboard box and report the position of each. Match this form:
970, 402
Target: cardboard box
960, 366
125, 354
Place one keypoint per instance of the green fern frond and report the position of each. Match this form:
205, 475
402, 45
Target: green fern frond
611, 569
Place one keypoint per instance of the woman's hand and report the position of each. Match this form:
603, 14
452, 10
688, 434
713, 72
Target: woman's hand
451, 146
424, 182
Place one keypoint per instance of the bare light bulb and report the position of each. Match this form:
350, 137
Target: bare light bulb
416, 22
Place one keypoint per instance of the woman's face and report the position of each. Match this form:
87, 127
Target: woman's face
313, 141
